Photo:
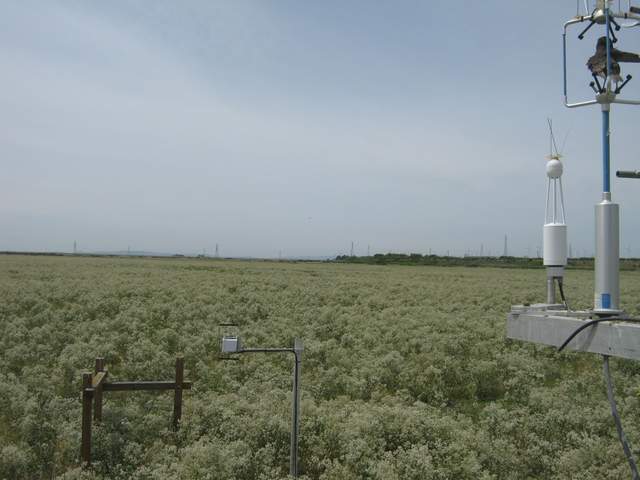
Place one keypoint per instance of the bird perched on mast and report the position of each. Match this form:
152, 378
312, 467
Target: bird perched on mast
598, 62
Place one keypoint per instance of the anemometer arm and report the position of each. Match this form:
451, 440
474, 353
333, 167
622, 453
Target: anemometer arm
593, 19
591, 24
628, 174
621, 86
604, 93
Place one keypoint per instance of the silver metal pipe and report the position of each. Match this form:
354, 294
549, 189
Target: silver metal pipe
628, 174
607, 261
626, 102
579, 104
295, 402
630, 15
551, 291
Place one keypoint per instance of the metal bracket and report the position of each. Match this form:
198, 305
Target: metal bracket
628, 174
542, 325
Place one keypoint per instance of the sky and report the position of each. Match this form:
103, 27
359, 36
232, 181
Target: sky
295, 128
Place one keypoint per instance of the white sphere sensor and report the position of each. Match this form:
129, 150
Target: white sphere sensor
554, 168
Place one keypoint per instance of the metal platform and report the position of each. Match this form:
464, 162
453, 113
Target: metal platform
551, 325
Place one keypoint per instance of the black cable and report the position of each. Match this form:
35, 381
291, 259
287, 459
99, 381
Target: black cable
612, 401
593, 322
616, 418
566, 305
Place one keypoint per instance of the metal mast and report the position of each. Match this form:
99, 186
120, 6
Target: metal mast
607, 213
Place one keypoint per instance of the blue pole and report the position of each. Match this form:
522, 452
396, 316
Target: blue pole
606, 151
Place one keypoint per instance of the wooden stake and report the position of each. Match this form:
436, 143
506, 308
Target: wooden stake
97, 414
177, 398
87, 397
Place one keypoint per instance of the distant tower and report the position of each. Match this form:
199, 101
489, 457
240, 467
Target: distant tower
75, 247
217, 251
128, 250
368, 250
482, 250
352, 249
504, 254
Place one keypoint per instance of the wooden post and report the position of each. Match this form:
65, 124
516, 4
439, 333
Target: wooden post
177, 398
87, 397
97, 413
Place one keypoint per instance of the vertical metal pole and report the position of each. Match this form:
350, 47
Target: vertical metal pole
564, 63
606, 151
87, 397
551, 290
608, 30
607, 261
295, 420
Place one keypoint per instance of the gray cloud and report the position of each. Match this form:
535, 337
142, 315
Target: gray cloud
266, 128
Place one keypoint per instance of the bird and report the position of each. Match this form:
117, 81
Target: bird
598, 63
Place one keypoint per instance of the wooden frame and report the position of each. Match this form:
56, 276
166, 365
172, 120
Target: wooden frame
95, 384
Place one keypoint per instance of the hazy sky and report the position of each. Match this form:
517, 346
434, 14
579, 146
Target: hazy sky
298, 126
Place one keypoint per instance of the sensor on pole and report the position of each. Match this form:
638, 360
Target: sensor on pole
554, 232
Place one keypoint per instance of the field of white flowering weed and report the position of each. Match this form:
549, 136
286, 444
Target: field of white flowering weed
406, 373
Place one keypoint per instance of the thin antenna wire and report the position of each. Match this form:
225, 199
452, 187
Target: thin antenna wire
546, 205
561, 199
555, 201
553, 139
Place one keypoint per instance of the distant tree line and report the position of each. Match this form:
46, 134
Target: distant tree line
473, 261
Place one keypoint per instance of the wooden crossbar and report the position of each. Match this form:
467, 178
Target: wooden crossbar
151, 385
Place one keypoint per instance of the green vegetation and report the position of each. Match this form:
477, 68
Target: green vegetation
406, 373
473, 261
